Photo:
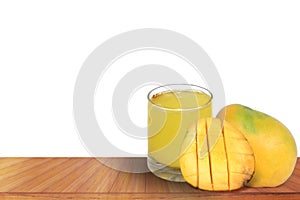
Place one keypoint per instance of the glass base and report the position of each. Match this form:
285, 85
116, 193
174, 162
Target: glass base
163, 171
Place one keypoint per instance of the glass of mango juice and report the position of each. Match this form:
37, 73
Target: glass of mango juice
171, 110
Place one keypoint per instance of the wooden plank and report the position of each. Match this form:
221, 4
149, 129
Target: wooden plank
121, 196
84, 174
298, 164
70, 177
29, 175
8, 162
100, 181
87, 178
155, 184
129, 182
54, 182
126, 164
13, 178
20, 167
43, 181
247, 190
35, 184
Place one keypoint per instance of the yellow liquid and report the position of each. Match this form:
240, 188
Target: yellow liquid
169, 116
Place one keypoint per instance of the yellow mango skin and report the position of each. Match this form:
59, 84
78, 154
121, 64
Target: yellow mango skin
273, 145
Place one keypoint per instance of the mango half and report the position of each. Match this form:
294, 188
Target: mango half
273, 145
216, 156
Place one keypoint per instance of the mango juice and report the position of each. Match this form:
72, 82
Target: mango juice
170, 113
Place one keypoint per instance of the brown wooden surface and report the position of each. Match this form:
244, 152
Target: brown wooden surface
87, 178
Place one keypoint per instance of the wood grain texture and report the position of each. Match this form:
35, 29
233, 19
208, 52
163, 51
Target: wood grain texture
88, 178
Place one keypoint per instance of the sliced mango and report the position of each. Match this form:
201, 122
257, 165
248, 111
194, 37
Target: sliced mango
204, 177
216, 156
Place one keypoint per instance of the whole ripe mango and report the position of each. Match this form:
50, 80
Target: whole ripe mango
273, 145
216, 156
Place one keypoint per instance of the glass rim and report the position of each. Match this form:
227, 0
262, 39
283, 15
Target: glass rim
200, 88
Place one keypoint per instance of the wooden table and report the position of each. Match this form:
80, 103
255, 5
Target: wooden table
87, 178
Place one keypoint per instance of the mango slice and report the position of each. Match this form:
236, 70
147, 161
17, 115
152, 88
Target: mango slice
216, 156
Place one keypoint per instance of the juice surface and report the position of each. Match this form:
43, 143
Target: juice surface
169, 115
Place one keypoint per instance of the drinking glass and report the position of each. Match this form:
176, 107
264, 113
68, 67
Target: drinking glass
171, 110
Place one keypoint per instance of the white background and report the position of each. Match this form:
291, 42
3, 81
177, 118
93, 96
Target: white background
255, 46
